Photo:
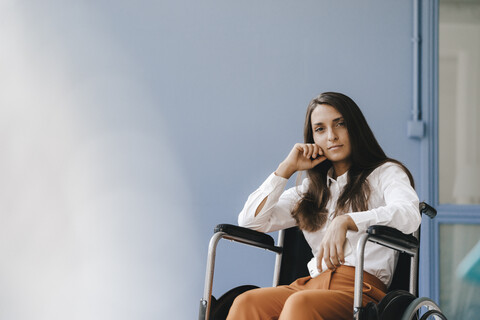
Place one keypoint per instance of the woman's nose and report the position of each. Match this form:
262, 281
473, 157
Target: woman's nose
332, 135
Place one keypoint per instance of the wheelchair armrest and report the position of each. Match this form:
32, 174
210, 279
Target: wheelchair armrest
386, 235
247, 236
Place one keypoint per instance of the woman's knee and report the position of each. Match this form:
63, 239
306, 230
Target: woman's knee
244, 300
256, 300
317, 304
297, 306
256, 304
299, 301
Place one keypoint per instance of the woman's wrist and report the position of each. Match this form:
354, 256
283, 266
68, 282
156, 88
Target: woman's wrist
347, 222
284, 170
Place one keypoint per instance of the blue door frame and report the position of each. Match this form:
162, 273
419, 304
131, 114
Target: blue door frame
429, 187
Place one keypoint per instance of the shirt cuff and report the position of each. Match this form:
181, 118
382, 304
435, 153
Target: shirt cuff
362, 219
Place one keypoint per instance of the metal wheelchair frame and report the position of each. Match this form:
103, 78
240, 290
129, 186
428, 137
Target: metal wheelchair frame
382, 235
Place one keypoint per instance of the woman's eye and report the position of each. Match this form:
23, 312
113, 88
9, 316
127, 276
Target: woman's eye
341, 124
319, 129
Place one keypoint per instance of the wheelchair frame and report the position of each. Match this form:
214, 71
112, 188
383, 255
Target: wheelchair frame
385, 236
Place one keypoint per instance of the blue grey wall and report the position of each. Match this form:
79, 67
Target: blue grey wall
130, 128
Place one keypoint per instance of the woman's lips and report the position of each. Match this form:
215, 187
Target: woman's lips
335, 147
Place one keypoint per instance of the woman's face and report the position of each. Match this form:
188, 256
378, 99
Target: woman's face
331, 134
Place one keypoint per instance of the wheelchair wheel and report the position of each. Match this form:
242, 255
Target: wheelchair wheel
221, 306
423, 304
391, 307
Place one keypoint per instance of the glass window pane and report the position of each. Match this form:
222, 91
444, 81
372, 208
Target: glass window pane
459, 102
458, 298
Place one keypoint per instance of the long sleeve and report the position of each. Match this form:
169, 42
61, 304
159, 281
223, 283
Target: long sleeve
401, 201
276, 213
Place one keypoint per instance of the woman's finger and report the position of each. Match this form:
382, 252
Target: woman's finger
299, 147
334, 255
340, 253
326, 258
320, 151
309, 151
305, 150
318, 160
301, 150
315, 153
319, 260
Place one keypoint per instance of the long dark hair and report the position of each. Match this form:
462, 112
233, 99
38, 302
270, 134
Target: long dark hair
366, 155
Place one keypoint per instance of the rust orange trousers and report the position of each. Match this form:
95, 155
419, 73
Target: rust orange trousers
326, 297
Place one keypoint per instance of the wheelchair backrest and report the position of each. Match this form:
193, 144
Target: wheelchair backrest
296, 254
401, 276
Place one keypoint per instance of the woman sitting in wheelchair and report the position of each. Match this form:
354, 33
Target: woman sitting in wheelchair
351, 184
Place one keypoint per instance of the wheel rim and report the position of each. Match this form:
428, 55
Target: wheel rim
413, 310
435, 313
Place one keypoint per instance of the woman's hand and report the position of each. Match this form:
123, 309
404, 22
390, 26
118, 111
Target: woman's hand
303, 156
331, 247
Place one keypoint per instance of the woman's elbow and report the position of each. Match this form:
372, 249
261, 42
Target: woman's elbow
250, 224
414, 217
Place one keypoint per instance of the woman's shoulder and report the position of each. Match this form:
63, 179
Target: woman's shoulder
389, 169
389, 164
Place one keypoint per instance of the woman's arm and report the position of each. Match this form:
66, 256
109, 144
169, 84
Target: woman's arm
397, 207
401, 205
274, 214
331, 247
269, 208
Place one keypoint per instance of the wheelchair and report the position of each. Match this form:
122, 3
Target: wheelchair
293, 253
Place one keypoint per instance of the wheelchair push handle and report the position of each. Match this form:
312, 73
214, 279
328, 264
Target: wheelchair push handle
428, 210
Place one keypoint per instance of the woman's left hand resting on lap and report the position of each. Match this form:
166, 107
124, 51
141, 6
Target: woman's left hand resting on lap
331, 247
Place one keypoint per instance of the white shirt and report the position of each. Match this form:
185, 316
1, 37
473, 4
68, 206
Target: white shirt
393, 202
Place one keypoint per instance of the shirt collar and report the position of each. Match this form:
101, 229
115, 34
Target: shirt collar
341, 180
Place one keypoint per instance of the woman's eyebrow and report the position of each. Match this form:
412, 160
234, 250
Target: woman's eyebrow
334, 120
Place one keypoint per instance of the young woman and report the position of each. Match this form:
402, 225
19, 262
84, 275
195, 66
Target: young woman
351, 184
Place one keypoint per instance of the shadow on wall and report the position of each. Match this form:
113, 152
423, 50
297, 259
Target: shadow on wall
90, 191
